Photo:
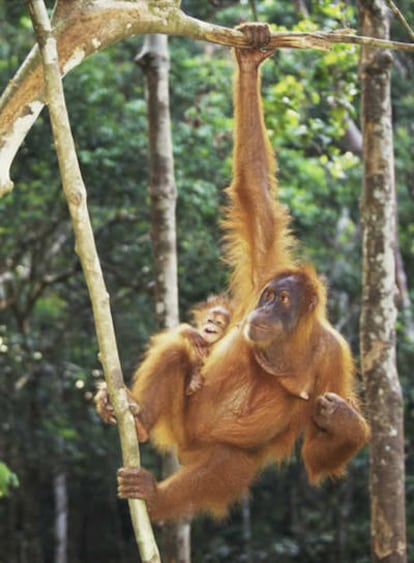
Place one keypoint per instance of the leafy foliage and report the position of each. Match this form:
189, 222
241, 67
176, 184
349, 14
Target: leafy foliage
48, 353
8, 480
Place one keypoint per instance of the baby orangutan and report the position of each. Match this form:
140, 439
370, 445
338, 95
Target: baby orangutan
181, 349
211, 317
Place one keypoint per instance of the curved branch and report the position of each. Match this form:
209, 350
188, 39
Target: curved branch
84, 27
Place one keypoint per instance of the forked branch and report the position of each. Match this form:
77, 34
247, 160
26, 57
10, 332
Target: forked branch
84, 27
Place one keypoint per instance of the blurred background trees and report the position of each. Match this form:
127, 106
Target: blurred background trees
48, 353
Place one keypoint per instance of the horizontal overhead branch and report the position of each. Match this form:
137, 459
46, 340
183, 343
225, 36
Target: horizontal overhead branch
84, 27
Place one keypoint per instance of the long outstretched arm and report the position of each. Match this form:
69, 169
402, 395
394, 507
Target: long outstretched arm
254, 165
256, 224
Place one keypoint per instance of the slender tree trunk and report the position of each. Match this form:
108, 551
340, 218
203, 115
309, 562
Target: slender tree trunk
247, 528
378, 314
154, 59
61, 517
344, 510
60, 491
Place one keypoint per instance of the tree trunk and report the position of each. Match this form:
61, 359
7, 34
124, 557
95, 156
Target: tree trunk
247, 528
61, 517
378, 315
154, 59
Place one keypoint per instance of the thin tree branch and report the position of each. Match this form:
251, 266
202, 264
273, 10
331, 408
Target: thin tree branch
253, 9
401, 17
324, 39
85, 245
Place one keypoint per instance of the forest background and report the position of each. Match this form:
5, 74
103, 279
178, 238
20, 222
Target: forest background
48, 353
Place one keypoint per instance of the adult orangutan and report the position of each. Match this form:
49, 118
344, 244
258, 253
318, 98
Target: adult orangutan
281, 372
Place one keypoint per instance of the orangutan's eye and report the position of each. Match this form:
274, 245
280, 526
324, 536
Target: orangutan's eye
284, 298
268, 295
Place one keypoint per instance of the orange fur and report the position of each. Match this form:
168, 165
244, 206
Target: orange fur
247, 415
175, 355
198, 312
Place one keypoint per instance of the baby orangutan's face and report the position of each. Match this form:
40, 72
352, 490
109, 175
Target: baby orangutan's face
215, 324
